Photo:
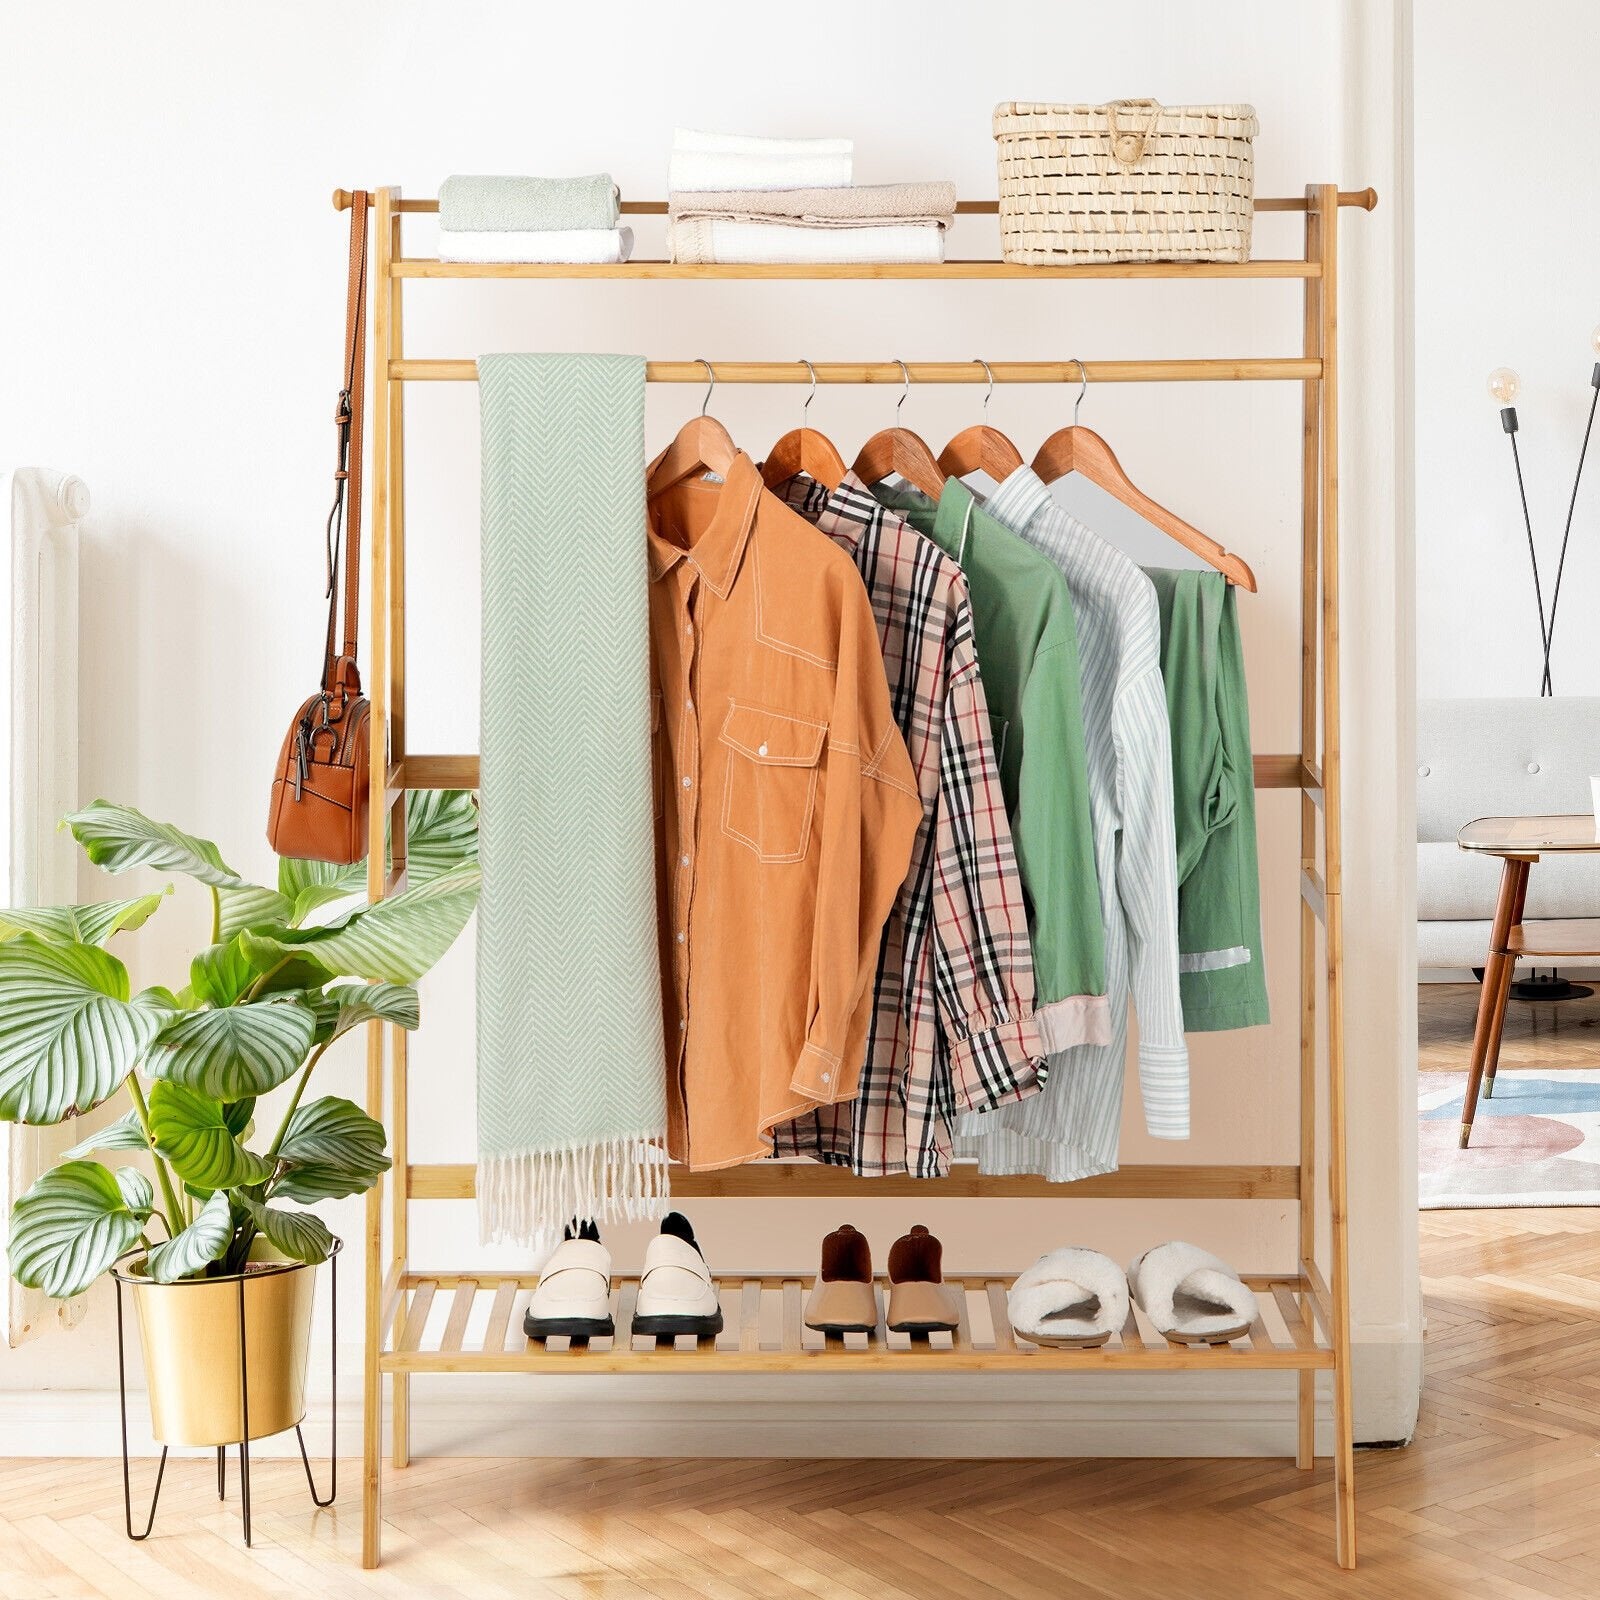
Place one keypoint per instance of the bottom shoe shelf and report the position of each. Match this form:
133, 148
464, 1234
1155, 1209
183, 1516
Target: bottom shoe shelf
472, 1322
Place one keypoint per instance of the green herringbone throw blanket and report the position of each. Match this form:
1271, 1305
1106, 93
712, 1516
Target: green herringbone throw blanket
571, 1064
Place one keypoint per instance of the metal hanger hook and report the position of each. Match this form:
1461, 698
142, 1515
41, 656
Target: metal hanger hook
711, 383
988, 395
905, 379
1083, 388
811, 396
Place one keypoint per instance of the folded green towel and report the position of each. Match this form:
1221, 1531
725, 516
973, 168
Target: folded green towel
515, 205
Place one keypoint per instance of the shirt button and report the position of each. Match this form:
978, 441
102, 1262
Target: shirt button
682, 937
762, 751
827, 1077
687, 782
1533, 766
683, 1023
688, 630
683, 860
688, 705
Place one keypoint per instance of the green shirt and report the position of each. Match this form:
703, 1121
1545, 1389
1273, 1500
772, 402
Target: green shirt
1220, 971
1027, 644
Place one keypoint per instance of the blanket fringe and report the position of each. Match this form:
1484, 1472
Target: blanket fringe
527, 1198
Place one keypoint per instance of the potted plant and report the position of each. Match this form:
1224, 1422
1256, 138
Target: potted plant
287, 972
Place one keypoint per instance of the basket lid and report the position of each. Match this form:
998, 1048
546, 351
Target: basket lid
1030, 116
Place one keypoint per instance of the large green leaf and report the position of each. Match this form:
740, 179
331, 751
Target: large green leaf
237, 1051
396, 940
205, 1240
348, 1005
192, 1132
126, 1133
309, 885
73, 1223
250, 906
68, 1032
92, 924
221, 973
441, 833
298, 1234
333, 1149
117, 838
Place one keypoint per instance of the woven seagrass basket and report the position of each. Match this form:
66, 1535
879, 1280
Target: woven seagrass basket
1129, 181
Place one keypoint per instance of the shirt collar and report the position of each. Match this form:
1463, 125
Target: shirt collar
1020, 498
720, 549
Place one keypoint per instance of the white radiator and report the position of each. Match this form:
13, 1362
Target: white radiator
38, 777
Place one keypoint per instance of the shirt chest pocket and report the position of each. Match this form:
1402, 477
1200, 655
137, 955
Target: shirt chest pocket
770, 795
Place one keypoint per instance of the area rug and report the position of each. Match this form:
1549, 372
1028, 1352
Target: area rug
1536, 1143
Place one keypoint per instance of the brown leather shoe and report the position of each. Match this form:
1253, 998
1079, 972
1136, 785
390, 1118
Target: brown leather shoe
920, 1301
844, 1298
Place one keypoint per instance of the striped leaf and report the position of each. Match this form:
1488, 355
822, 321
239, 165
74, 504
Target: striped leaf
192, 1132
125, 1133
348, 1005
92, 924
117, 838
235, 1052
396, 940
441, 833
69, 1035
250, 906
221, 973
314, 883
190, 1252
333, 1149
298, 1234
73, 1223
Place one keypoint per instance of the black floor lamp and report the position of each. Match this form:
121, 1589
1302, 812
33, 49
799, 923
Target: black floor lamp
1504, 386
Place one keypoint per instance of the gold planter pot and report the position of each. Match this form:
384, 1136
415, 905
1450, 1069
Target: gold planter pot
190, 1332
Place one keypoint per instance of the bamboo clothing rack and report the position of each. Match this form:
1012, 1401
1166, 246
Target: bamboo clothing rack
1303, 1321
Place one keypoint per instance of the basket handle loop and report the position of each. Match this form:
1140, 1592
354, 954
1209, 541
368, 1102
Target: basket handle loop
1127, 146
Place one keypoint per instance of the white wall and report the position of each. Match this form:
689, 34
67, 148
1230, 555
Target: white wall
1508, 237
174, 285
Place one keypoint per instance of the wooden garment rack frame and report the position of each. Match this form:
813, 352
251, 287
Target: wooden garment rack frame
1303, 1325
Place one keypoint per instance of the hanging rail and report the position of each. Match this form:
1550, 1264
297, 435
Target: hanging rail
1267, 369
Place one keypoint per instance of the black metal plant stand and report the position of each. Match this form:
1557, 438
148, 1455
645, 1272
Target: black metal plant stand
244, 1400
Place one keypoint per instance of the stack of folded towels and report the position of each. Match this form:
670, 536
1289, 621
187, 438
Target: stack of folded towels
736, 199
532, 219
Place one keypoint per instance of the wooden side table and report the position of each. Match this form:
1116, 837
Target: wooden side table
1519, 842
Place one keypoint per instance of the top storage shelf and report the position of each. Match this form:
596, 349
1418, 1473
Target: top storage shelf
985, 270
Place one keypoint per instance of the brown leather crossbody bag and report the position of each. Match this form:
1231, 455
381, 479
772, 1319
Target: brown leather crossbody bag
320, 796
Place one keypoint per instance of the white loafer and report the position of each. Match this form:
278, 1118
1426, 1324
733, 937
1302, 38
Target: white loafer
573, 1294
1191, 1296
676, 1291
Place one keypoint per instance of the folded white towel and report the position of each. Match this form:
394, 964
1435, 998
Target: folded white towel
753, 144
718, 169
741, 243
578, 246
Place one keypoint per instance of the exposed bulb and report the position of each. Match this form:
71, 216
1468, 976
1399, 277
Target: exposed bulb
1594, 339
1504, 386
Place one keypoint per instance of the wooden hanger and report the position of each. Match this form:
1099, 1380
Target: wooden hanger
980, 447
702, 445
804, 450
899, 451
1080, 449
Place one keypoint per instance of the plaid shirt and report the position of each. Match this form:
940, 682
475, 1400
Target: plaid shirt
952, 1026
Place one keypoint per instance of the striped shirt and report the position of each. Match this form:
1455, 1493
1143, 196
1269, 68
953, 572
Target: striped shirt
1071, 1130
953, 1027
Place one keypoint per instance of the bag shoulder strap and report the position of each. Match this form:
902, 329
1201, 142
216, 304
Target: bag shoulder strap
344, 519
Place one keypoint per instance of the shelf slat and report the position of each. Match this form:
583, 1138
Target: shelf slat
823, 271
803, 1179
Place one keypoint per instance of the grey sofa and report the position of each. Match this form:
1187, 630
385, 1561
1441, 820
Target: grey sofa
1479, 758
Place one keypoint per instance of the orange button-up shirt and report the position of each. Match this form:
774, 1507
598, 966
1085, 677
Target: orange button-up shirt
786, 806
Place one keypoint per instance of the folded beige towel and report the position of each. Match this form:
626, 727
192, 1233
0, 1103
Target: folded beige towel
715, 239
860, 206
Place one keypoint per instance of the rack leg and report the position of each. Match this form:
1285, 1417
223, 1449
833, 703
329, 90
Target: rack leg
1344, 1472
1305, 1449
400, 1421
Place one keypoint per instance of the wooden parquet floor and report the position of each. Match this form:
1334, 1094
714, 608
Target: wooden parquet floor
1498, 1498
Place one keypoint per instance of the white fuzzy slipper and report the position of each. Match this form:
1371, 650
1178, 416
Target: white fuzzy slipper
1190, 1295
1072, 1297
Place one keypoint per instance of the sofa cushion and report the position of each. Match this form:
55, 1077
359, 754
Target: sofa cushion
1453, 886
1502, 758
